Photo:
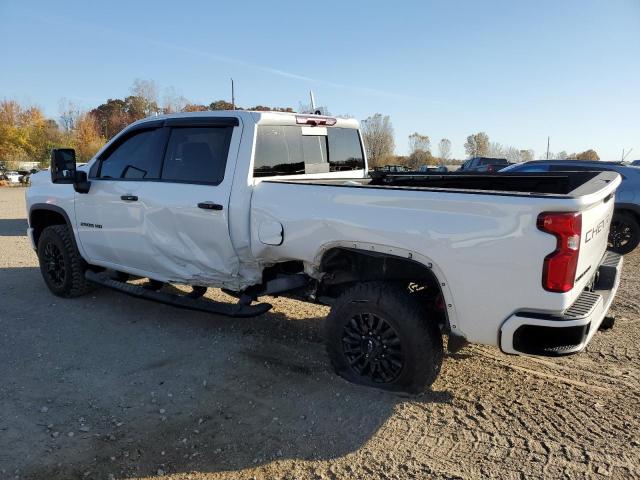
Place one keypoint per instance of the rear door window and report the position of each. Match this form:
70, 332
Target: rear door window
197, 154
284, 150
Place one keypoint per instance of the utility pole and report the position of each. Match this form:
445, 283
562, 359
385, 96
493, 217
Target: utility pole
233, 96
548, 141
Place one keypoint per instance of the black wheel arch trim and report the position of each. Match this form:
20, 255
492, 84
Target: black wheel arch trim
350, 277
51, 208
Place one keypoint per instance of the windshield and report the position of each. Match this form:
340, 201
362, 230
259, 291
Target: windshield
286, 150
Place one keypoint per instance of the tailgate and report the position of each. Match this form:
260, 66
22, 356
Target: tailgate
595, 232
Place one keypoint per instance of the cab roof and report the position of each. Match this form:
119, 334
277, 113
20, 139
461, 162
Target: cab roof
258, 117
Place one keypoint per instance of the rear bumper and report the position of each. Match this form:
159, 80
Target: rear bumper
569, 332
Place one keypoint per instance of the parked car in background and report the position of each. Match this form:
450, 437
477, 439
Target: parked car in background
624, 234
12, 177
484, 164
636, 163
433, 168
391, 168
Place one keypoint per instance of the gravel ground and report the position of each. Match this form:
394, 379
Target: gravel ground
106, 386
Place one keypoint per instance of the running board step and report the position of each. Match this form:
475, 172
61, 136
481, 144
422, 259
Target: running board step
209, 306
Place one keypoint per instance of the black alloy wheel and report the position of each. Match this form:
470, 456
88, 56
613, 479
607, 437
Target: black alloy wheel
624, 234
54, 264
380, 335
372, 348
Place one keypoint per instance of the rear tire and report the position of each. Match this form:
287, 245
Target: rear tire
379, 335
61, 265
624, 234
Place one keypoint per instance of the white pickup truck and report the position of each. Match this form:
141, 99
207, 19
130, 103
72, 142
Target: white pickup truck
272, 203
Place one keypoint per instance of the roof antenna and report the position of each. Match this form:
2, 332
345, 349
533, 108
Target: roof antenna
313, 104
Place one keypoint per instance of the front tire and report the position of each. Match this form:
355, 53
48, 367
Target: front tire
61, 265
379, 335
624, 234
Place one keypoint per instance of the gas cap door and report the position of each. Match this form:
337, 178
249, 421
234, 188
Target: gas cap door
271, 232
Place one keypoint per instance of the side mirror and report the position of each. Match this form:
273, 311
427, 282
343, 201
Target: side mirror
63, 165
63, 170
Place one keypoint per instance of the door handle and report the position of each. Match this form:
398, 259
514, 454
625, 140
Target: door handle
129, 198
210, 206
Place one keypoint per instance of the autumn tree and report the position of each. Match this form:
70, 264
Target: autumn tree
136, 107
512, 154
220, 105
419, 151
527, 155
477, 145
25, 134
111, 116
145, 93
173, 101
69, 113
419, 142
13, 138
444, 150
377, 134
263, 108
191, 107
586, 155
87, 139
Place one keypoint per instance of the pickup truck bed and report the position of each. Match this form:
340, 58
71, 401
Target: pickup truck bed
569, 184
483, 245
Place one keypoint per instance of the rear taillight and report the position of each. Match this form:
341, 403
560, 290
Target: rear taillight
559, 271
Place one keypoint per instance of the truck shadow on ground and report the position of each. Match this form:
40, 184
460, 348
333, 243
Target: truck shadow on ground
146, 387
13, 227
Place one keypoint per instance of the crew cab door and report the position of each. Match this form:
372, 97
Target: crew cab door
159, 201
186, 213
110, 217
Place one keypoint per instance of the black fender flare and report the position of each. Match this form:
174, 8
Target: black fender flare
51, 208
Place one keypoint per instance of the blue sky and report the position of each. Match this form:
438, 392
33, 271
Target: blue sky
520, 71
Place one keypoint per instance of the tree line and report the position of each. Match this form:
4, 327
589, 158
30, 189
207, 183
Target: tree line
378, 136
27, 135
